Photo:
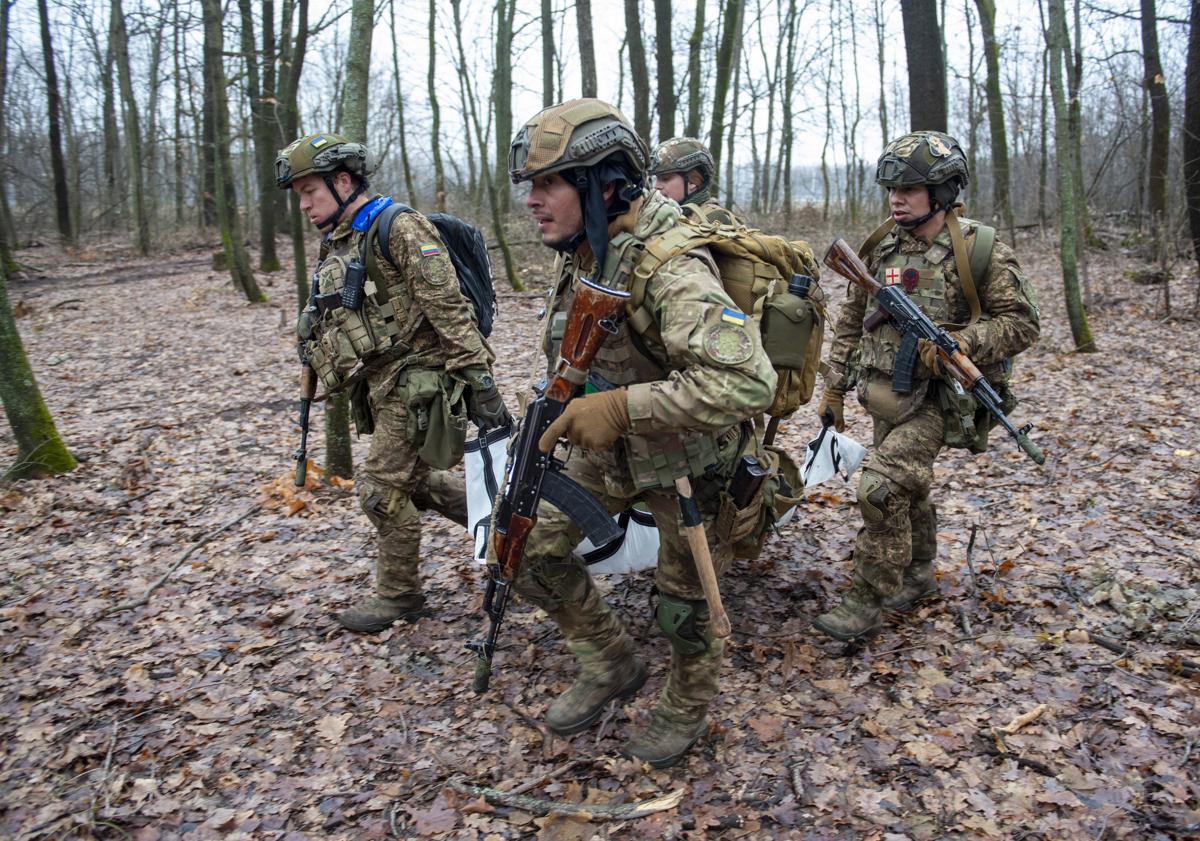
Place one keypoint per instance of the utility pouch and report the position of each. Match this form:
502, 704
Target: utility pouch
959, 415
360, 408
437, 415
876, 395
735, 525
787, 324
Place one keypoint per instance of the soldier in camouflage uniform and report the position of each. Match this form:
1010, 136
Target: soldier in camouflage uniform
683, 169
433, 334
671, 401
897, 544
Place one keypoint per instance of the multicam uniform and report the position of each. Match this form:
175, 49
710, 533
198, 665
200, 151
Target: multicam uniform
685, 155
900, 520
687, 401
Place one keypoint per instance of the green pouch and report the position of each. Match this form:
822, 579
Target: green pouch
965, 424
437, 415
360, 408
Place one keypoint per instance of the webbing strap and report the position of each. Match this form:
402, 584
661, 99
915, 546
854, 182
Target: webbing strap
875, 238
963, 264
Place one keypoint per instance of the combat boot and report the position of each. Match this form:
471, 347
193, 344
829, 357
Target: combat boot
666, 738
919, 583
606, 673
858, 614
377, 613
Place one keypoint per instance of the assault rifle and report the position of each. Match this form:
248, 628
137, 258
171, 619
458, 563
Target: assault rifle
534, 475
308, 390
913, 324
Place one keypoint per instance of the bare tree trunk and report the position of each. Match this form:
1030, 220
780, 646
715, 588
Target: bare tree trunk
664, 53
737, 78
880, 43
926, 77
1160, 121
151, 137
1067, 191
695, 44
133, 130
587, 47
731, 33
972, 115
8, 232
789, 87
58, 166
408, 181
439, 173
1001, 203
1044, 154
291, 61
227, 210
1075, 126
1191, 137
176, 52
264, 145
639, 73
502, 86
510, 267
547, 54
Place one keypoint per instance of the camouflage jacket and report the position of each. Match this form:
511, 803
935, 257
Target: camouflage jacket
1009, 323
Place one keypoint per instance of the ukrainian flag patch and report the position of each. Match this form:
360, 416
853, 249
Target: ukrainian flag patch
317, 142
733, 317
430, 249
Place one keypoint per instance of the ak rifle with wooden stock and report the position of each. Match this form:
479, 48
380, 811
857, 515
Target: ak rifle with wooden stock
912, 324
533, 475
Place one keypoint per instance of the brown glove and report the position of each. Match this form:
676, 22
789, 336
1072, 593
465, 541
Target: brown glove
593, 421
834, 402
928, 352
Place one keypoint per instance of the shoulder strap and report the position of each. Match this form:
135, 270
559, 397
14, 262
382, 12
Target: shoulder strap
963, 265
981, 251
875, 238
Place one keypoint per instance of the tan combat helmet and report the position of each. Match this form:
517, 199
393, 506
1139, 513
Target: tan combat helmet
325, 155
682, 155
925, 157
591, 145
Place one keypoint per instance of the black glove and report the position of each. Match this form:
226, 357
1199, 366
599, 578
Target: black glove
485, 405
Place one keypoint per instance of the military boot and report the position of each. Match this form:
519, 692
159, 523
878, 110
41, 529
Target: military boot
605, 673
377, 613
919, 583
666, 738
858, 614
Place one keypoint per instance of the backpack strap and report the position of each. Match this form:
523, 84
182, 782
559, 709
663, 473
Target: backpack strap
875, 238
964, 264
981, 250
381, 232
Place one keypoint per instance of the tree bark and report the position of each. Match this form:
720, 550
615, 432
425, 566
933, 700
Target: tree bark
439, 173
664, 52
1056, 39
265, 148
8, 232
291, 60
133, 131
639, 72
232, 239
408, 180
731, 33
177, 163
1160, 122
926, 69
695, 44
58, 166
587, 47
1191, 135
1001, 203
547, 54
502, 87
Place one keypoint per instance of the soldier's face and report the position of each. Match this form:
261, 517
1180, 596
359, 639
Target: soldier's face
316, 202
908, 203
671, 184
554, 203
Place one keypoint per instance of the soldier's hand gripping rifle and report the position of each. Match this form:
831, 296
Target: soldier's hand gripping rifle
913, 324
534, 475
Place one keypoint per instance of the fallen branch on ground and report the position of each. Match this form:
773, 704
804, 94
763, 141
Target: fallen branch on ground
587, 811
1174, 664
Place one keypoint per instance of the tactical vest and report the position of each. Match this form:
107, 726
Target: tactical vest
626, 358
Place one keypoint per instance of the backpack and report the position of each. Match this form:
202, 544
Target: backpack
468, 252
755, 269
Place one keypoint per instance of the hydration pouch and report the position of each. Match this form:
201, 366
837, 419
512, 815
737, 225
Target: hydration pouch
787, 325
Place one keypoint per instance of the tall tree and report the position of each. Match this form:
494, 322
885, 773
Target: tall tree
226, 199
587, 47
8, 232
1001, 204
664, 53
265, 145
1191, 135
731, 32
695, 43
547, 53
177, 79
926, 69
119, 39
439, 174
291, 61
502, 84
639, 73
1068, 217
404, 163
58, 166
1160, 120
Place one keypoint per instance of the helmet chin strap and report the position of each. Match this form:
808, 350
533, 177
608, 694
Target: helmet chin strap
935, 207
332, 219
590, 183
688, 194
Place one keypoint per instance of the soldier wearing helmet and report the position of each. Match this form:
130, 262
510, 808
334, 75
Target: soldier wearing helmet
968, 283
683, 169
668, 395
407, 342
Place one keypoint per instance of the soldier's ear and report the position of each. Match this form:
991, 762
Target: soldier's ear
695, 179
610, 190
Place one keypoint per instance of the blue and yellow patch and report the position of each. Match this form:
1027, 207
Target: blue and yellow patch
318, 142
430, 249
733, 317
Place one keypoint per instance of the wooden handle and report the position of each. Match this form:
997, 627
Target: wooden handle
698, 543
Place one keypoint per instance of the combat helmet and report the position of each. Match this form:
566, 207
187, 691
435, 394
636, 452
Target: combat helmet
325, 155
931, 158
591, 144
682, 155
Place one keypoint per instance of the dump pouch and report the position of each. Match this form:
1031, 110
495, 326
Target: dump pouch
437, 415
360, 408
876, 395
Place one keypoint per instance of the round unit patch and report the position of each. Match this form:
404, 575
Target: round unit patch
727, 344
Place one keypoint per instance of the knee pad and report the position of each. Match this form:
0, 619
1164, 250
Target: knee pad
877, 499
386, 506
685, 624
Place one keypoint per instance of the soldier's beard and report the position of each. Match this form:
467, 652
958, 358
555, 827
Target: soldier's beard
567, 244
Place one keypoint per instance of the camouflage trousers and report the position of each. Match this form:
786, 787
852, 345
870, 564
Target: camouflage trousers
899, 519
393, 487
558, 581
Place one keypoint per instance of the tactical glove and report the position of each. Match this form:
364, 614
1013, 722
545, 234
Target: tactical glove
593, 421
928, 351
833, 401
485, 405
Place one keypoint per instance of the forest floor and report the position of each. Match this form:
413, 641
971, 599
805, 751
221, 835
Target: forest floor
229, 704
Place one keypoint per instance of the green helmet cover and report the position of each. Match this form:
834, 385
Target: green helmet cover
682, 155
922, 157
322, 153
